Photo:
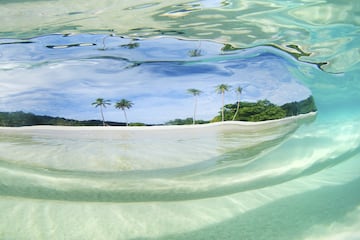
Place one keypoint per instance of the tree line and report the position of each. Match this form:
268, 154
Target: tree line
239, 111
261, 110
20, 118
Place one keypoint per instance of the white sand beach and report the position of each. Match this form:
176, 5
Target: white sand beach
139, 148
226, 124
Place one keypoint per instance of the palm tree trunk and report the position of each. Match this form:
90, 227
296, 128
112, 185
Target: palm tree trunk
102, 115
222, 110
127, 124
195, 107
237, 110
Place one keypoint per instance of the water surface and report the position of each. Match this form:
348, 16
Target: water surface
294, 180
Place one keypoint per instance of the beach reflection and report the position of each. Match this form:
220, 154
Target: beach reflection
61, 76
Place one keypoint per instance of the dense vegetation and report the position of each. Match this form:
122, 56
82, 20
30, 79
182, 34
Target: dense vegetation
265, 110
302, 107
17, 119
252, 112
185, 121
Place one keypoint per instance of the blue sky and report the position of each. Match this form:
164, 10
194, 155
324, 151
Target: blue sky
65, 81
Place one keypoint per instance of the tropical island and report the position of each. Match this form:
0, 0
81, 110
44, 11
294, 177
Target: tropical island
261, 110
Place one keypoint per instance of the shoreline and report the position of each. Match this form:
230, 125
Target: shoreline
163, 127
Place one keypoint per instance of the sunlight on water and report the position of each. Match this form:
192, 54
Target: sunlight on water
295, 178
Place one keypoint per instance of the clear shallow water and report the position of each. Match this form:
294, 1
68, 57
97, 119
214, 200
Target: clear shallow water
296, 181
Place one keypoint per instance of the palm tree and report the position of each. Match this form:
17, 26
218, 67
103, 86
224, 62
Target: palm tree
196, 52
124, 104
238, 92
100, 102
221, 89
195, 93
130, 45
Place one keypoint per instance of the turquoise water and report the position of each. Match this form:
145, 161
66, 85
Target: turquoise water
297, 179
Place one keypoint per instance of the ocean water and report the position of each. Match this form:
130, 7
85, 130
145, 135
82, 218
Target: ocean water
291, 179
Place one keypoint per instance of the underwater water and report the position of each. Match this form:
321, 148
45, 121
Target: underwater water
296, 178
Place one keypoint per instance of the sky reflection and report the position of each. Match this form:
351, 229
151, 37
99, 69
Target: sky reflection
62, 75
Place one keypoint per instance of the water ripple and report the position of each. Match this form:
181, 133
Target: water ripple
300, 181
